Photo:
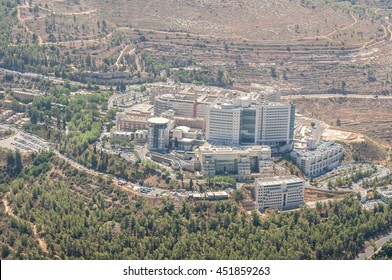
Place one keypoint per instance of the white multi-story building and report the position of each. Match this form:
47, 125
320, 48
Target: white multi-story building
184, 104
279, 192
248, 120
267, 93
223, 124
321, 159
240, 163
135, 118
131, 122
265, 164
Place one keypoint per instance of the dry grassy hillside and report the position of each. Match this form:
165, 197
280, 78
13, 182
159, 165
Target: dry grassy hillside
252, 19
371, 117
303, 46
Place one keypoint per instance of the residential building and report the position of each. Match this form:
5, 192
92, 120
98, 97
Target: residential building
4, 115
319, 160
279, 192
26, 94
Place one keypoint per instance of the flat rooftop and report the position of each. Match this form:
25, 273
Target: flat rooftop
187, 97
323, 147
278, 180
246, 100
140, 108
27, 92
158, 120
133, 118
220, 149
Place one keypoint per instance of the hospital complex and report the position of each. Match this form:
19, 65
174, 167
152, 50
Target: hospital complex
232, 133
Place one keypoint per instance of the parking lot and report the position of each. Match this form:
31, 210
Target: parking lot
25, 142
346, 169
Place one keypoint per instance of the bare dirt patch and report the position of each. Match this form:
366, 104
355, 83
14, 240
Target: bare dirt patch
364, 116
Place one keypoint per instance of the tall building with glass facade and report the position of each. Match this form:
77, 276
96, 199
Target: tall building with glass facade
248, 121
158, 133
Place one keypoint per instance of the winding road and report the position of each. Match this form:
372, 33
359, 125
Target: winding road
321, 96
370, 250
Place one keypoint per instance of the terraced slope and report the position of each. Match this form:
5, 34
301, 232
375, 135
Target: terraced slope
299, 45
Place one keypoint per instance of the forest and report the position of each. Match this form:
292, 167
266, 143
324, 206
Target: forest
25, 56
74, 123
30, 55
385, 253
58, 212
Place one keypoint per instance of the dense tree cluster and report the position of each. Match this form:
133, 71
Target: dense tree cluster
74, 123
155, 66
14, 162
11, 165
385, 252
33, 58
353, 177
204, 76
25, 57
7, 12
221, 182
80, 226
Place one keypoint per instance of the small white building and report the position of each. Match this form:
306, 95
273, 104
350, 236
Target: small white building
125, 135
279, 192
184, 138
210, 196
140, 136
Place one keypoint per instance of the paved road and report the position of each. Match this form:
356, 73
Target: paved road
53, 79
309, 96
370, 250
125, 183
